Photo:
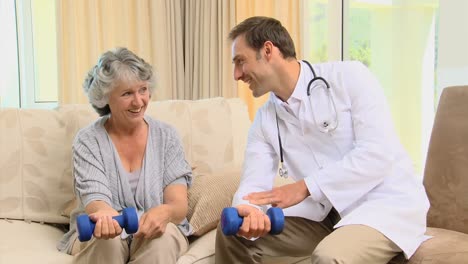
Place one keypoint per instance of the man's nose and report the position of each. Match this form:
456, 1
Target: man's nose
238, 73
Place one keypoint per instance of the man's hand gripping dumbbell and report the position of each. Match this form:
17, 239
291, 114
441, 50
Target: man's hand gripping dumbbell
232, 221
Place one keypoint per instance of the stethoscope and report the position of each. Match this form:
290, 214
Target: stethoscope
326, 126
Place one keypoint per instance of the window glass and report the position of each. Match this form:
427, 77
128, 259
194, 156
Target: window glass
28, 69
45, 50
9, 77
397, 41
452, 52
321, 30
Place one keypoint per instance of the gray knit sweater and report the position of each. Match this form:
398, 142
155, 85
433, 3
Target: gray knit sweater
97, 177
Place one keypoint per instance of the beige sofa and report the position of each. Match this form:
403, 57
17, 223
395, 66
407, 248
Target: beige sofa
36, 180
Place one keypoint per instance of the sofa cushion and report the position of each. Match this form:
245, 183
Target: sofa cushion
446, 246
46, 164
210, 193
212, 134
46, 150
240, 124
24, 242
177, 114
445, 174
11, 185
69, 207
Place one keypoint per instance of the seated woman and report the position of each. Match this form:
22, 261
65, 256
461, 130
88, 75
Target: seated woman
127, 159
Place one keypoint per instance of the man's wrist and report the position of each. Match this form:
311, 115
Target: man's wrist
304, 189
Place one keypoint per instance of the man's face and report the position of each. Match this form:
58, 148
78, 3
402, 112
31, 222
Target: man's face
249, 66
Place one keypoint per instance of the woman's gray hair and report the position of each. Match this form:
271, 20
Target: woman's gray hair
112, 67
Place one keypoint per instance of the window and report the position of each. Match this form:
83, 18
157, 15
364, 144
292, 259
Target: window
321, 30
29, 72
452, 55
397, 40
9, 75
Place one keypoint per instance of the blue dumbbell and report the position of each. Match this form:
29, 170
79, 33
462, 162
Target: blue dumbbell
231, 221
127, 220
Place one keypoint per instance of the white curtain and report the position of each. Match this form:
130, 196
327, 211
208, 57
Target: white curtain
208, 67
153, 29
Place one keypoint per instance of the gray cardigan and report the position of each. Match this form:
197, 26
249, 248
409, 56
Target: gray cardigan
97, 177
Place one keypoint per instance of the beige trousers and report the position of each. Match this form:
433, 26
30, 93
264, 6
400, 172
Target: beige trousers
302, 237
165, 249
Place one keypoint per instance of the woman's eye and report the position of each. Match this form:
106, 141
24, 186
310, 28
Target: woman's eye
143, 89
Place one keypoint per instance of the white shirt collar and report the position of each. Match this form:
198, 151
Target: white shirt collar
292, 105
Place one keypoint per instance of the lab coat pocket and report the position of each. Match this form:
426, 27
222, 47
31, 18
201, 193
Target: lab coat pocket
342, 138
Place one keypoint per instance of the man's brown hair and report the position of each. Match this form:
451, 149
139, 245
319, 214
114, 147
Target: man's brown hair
259, 29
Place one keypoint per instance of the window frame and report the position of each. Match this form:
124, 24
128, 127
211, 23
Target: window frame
26, 60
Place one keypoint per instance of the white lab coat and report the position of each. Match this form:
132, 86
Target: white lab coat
360, 169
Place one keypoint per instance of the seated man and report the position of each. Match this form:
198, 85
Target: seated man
356, 198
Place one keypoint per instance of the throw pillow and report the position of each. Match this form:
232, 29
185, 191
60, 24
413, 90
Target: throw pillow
209, 194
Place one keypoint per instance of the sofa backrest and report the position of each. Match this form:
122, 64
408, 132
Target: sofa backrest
446, 170
35, 149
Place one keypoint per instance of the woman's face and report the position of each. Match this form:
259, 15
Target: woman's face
128, 101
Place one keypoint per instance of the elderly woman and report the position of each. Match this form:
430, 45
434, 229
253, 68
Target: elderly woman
127, 159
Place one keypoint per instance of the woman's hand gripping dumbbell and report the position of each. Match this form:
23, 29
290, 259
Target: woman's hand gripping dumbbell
231, 221
128, 220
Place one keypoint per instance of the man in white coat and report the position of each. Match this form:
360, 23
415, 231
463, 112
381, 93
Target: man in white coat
356, 198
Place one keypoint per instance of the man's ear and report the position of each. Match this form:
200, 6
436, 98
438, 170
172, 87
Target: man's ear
268, 49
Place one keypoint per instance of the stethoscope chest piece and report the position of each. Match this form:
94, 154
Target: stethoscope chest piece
283, 172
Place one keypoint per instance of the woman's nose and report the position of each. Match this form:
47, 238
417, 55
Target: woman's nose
138, 99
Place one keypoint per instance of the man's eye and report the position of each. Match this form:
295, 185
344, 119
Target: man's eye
239, 63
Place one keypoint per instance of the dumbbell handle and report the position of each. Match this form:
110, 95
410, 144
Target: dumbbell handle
231, 221
119, 218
